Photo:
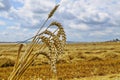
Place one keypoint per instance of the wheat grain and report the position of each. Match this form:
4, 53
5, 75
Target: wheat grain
53, 11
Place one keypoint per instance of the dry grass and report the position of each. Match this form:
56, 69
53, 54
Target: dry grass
80, 61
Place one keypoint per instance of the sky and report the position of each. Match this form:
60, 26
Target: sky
83, 20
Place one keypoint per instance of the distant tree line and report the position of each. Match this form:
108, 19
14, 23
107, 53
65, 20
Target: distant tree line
114, 40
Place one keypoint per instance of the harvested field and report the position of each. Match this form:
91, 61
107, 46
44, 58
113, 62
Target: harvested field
81, 61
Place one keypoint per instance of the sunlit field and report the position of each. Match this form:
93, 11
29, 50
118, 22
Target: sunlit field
80, 61
59, 40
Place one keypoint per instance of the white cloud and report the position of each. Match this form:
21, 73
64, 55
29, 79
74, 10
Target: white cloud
25, 29
91, 11
101, 33
117, 33
99, 18
1, 5
98, 33
2, 23
4, 33
4, 5
13, 27
15, 34
31, 14
21, 1
82, 27
27, 16
85, 17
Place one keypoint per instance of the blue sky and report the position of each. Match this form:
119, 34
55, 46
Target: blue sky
83, 20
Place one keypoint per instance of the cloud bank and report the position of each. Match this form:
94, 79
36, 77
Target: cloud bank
83, 20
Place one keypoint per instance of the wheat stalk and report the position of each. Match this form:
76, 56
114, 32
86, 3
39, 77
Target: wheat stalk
53, 42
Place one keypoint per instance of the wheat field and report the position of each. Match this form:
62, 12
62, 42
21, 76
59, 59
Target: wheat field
80, 61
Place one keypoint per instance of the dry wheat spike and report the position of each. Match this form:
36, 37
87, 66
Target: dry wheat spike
55, 43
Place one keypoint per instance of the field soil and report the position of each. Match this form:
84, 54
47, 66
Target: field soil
80, 61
